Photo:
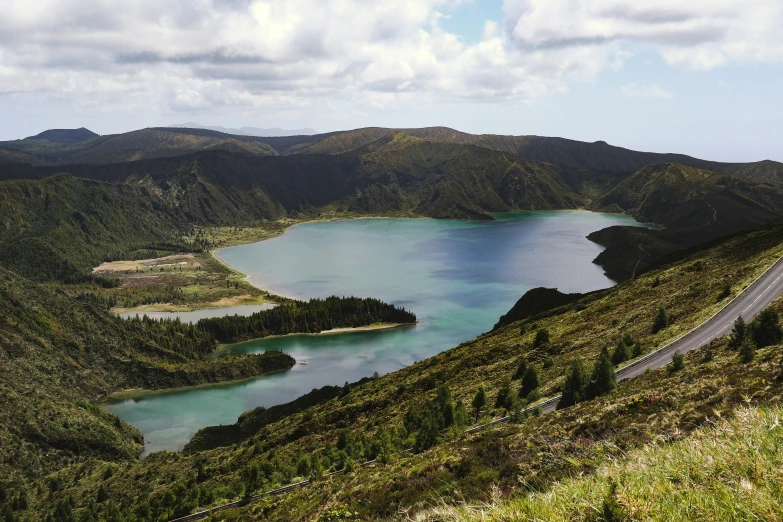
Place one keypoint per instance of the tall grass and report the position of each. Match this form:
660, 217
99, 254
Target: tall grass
732, 470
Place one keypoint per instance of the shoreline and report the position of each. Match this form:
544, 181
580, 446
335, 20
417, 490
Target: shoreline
272, 297
134, 393
138, 393
333, 331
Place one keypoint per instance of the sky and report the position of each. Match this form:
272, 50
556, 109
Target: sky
700, 77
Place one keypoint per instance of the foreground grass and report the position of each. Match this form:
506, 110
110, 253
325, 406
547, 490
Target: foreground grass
731, 469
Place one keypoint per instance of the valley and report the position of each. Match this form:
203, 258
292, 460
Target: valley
200, 224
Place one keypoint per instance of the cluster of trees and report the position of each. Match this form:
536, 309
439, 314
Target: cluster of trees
312, 316
764, 330
627, 348
581, 386
427, 422
136, 296
169, 338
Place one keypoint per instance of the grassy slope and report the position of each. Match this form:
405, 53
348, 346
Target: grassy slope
62, 227
728, 470
58, 354
539, 452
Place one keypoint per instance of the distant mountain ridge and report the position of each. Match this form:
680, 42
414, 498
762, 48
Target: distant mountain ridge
65, 136
590, 168
208, 177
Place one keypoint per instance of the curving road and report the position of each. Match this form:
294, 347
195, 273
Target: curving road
749, 303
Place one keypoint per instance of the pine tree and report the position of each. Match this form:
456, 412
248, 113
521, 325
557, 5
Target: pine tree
602, 380
316, 468
766, 329
521, 369
479, 401
661, 321
708, 355
678, 362
575, 384
503, 392
103, 496
638, 349
621, 353
738, 333
461, 417
529, 382
747, 352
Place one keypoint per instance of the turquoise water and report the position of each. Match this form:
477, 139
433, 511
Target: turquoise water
195, 315
459, 277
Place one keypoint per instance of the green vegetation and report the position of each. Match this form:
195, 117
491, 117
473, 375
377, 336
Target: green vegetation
710, 475
369, 418
313, 316
63, 458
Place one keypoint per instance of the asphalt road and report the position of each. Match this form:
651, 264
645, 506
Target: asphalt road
748, 304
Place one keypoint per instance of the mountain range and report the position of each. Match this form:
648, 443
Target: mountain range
206, 177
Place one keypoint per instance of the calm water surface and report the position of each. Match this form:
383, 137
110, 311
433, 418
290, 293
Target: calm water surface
459, 277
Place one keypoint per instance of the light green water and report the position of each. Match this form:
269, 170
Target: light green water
459, 277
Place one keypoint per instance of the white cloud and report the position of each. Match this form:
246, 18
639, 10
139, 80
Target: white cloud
288, 54
645, 91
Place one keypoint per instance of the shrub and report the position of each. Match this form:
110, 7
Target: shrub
503, 394
621, 353
765, 329
660, 321
479, 401
678, 362
521, 369
542, 337
747, 351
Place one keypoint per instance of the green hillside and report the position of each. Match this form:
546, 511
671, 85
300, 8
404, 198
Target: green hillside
382, 417
60, 354
695, 206
395, 175
61, 227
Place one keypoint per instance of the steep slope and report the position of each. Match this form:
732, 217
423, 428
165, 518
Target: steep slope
60, 354
382, 417
398, 174
695, 206
61, 227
